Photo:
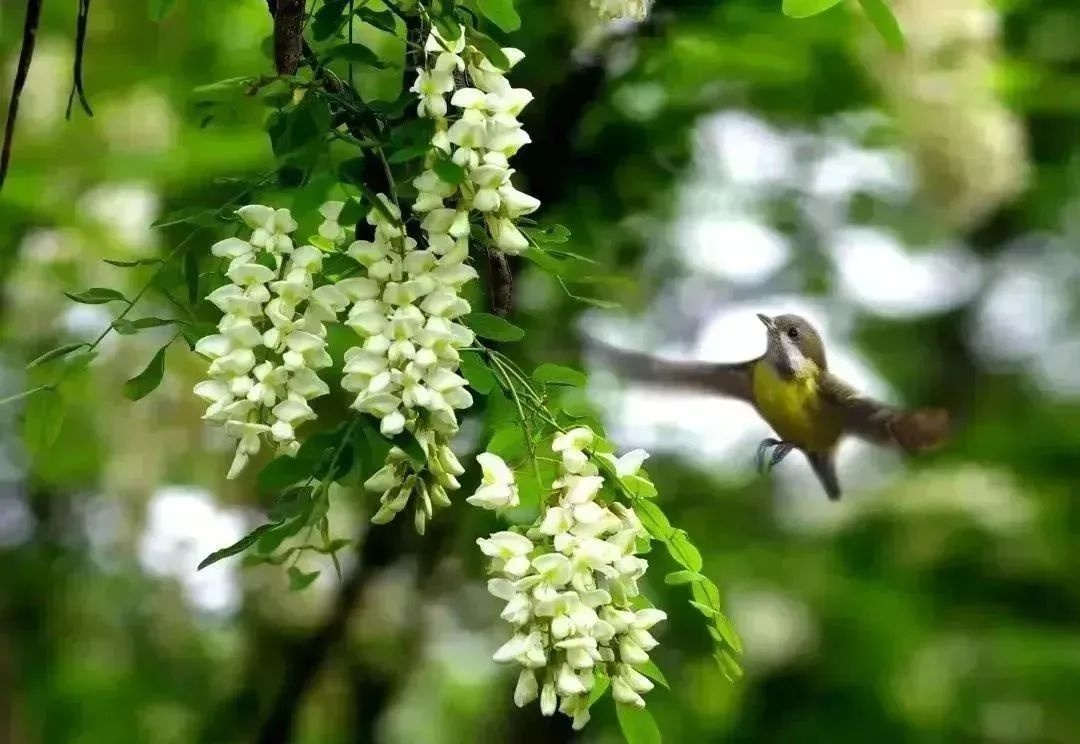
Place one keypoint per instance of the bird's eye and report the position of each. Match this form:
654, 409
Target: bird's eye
793, 333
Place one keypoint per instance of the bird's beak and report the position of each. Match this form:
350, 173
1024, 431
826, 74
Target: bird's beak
767, 321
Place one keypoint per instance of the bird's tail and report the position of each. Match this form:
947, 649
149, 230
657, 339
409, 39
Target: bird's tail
921, 430
824, 466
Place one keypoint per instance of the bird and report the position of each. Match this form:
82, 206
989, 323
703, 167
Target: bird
792, 389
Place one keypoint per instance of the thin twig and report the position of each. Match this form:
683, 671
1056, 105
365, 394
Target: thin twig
26, 54
77, 72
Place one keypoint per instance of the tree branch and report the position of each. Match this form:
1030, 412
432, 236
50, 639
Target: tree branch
26, 54
500, 283
77, 72
288, 35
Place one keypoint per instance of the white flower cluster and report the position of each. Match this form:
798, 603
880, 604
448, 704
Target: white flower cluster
265, 355
405, 371
484, 134
568, 583
610, 10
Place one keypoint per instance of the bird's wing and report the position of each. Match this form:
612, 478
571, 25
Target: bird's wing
913, 431
730, 380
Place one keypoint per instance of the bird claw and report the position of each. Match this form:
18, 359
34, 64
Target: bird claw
782, 450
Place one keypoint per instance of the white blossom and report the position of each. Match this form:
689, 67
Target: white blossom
330, 229
479, 130
570, 586
264, 358
634, 10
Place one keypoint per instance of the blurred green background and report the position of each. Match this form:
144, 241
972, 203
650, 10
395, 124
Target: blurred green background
719, 160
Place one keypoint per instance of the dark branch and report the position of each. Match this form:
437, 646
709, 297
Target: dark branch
77, 73
288, 36
500, 283
26, 54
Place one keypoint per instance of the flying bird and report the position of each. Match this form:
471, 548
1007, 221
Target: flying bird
791, 387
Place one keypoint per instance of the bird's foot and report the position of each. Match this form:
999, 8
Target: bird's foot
782, 449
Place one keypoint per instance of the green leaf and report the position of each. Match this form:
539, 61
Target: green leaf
675, 578
642, 488
334, 545
56, 353
501, 13
706, 593
489, 49
80, 361
653, 519
653, 672
158, 9
146, 381
124, 327
807, 8
326, 21
352, 212
637, 724
195, 331
281, 531
508, 442
131, 264
729, 665
448, 25
553, 235
306, 123
239, 546
493, 327
684, 552
727, 632
477, 373
266, 258
449, 171
534, 485
282, 472
885, 22
143, 323
600, 685
96, 296
373, 199
705, 610
294, 502
554, 374
409, 154
191, 277
409, 444
43, 421
299, 580
383, 20
355, 53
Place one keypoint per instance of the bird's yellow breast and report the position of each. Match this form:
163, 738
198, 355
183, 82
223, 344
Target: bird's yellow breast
793, 408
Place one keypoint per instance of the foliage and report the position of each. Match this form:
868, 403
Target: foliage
889, 591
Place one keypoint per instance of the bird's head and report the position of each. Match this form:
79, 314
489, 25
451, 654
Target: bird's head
792, 343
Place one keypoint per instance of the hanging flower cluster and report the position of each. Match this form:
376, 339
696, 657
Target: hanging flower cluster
265, 356
405, 371
480, 137
569, 582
